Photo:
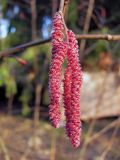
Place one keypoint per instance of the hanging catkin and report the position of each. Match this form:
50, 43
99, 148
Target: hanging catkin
59, 51
72, 87
72, 80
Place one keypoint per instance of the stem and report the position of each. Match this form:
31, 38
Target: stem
65, 27
36, 67
34, 19
10, 103
37, 104
54, 7
61, 8
86, 25
63, 4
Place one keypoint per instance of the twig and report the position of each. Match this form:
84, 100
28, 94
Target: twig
3, 146
21, 47
107, 37
61, 7
111, 141
33, 19
90, 49
63, 4
54, 6
92, 126
53, 145
105, 129
86, 25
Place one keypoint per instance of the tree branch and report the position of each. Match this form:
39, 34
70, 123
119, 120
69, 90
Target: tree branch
21, 47
86, 25
39, 42
99, 36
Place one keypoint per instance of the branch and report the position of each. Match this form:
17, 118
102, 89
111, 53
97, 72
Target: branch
86, 25
39, 42
33, 19
102, 131
99, 36
63, 4
21, 47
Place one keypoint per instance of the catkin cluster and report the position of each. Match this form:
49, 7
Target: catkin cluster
65, 48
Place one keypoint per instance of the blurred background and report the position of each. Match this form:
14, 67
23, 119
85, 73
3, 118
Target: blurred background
25, 130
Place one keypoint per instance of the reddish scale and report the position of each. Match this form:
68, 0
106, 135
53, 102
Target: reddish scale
73, 81
59, 51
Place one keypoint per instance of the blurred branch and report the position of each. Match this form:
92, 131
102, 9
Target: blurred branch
87, 24
111, 142
10, 104
90, 49
54, 6
92, 126
34, 19
53, 145
3, 146
38, 86
105, 129
27, 150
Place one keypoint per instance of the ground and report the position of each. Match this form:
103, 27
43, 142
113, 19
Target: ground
19, 140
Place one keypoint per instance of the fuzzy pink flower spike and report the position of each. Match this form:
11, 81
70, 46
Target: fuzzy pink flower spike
72, 86
72, 80
59, 51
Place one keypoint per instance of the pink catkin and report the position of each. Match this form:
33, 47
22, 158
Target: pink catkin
72, 86
59, 51
67, 95
72, 81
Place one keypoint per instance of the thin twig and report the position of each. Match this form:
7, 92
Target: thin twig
87, 24
92, 126
53, 145
111, 141
54, 7
105, 129
33, 19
